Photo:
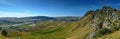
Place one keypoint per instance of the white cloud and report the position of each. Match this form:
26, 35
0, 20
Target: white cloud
15, 14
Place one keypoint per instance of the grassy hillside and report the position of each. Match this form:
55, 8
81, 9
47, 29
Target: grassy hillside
98, 24
2, 37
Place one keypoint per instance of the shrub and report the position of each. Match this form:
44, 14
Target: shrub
14, 34
103, 31
4, 33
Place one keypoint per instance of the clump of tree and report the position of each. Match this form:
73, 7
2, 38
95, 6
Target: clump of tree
105, 31
4, 33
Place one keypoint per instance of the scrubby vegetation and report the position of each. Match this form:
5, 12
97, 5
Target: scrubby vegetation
4, 32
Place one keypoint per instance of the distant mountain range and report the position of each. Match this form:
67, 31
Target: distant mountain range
33, 19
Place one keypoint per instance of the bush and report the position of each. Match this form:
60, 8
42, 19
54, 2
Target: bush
115, 28
103, 31
4, 33
14, 34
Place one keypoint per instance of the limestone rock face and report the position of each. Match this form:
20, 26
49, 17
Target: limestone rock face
106, 17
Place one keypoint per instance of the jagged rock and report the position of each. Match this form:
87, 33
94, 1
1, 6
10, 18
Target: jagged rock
103, 18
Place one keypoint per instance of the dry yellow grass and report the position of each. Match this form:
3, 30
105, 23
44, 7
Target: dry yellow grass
83, 31
2, 37
79, 33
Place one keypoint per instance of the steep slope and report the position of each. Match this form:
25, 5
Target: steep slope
97, 23
82, 30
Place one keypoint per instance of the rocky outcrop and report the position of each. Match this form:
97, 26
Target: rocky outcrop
106, 17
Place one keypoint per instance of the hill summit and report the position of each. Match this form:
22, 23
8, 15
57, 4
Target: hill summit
98, 23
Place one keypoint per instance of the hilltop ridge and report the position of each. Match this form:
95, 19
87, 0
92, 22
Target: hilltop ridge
98, 23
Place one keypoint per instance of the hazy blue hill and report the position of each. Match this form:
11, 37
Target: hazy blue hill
67, 18
12, 20
34, 19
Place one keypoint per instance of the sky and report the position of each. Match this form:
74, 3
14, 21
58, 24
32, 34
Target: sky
52, 8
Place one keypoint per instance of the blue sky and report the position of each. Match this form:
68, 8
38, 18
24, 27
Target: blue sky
53, 8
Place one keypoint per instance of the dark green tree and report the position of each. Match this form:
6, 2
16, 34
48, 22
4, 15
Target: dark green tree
4, 33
